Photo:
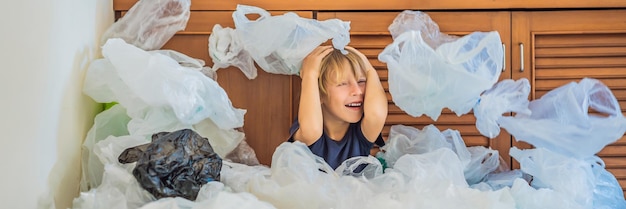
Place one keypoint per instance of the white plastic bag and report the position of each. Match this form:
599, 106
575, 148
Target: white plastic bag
419, 21
226, 49
279, 43
409, 140
571, 177
506, 96
150, 24
561, 121
424, 80
160, 81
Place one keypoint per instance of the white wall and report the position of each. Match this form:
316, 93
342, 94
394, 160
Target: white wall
45, 49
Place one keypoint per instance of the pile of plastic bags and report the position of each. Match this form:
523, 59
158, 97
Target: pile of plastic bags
166, 91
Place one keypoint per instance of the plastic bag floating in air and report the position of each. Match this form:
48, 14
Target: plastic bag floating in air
424, 79
279, 43
561, 122
506, 96
150, 24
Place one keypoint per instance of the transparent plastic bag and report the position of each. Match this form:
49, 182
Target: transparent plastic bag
410, 140
419, 21
111, 122
189, 62
360, 166
483, 161
160, 81
561, 121
571, 177
279, 43
226, 49
243, 154
424, 80
506, 96
607, 193
150, 24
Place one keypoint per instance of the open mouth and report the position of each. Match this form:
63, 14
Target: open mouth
354, 105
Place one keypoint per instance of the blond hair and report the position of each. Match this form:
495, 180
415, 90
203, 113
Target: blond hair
333, 69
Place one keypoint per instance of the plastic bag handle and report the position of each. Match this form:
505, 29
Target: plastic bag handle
239, 16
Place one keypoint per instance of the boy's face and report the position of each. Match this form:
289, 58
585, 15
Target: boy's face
344, 98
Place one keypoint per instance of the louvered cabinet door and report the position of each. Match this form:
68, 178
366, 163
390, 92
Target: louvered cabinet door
556, 48
370, 34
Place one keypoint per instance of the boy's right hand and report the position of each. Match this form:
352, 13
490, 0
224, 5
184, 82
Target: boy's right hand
311, 63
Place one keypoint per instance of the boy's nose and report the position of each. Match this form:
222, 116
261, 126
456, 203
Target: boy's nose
356, 89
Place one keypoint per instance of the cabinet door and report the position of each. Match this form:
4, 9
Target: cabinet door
560, 47
370, 35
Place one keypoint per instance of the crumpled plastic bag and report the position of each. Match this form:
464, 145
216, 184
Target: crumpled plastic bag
119, 189
409, 140
111, 122
483, 161
505, 96
561, 122
213, 195
243, 154
188, 62
174, 164
419, 21
607, 193
159, 81
360, 166
424, 79
150, 24
278, 44
571, 177
226, 49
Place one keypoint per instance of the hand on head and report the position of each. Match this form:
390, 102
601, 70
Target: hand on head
311, 63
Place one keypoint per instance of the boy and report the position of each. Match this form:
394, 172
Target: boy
336, 118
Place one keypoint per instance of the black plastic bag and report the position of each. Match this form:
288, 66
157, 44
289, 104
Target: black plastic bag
174, 164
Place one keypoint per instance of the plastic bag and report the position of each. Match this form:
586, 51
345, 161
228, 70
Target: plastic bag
424, 80
279, 43
409, 140
571, 177
226, 49
174, 164
506, 96
419, 21
111, 122
150, 24
483, 161
360, 166
607, 193
561, 121
119, 189
160, 81
243, 154
189, 62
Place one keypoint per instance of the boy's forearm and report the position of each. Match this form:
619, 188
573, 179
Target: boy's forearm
310, 111
375, 97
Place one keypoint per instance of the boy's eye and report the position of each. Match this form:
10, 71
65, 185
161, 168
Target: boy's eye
362, 81
342, 84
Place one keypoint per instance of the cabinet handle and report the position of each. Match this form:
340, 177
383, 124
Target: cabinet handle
503, 57
521, 57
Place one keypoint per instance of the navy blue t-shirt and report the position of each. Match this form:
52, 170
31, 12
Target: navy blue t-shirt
334, 152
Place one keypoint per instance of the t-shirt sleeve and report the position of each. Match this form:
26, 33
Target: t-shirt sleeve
379, 140
294, 127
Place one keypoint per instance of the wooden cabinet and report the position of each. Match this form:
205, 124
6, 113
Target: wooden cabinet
558, 47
